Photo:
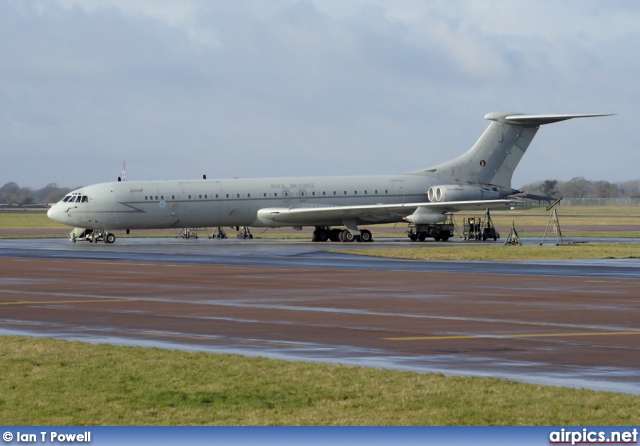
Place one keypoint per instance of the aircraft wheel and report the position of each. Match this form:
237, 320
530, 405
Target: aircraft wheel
413, 237
109, 238
365, 236
322, 235
334, 235
422, 236
445, 238
346, 236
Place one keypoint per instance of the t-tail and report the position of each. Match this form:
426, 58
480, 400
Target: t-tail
494, 157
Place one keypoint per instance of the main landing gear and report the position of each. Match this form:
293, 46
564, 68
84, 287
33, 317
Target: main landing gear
243, 232
325, 233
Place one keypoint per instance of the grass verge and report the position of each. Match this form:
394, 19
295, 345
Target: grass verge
506, 253
52, 382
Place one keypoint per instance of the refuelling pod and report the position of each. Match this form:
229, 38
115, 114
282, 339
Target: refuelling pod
454, 192
424, 216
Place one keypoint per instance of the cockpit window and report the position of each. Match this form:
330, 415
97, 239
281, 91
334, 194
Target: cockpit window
67, 198
85, 199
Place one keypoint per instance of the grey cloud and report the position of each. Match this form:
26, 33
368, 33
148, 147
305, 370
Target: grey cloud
302, 88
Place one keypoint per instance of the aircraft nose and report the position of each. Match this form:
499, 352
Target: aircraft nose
54, 213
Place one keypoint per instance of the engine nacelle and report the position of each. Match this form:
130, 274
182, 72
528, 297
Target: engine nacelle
454, 192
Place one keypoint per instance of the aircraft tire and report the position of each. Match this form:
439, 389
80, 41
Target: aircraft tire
365, 236
109, 238
445, 238
346, 236
334, 235
422, 236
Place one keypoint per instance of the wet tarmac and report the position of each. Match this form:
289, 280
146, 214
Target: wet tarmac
569, 323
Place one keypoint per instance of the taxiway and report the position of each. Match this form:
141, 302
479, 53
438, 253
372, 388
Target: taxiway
569, 323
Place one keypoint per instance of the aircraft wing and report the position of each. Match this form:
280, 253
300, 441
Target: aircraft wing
372, 213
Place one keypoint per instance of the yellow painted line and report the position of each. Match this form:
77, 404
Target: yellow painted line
535, 335
52, 302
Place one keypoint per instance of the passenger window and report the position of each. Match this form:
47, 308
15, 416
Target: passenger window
248, 195
275, 195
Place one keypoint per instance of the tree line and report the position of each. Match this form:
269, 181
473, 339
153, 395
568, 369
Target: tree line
13, 194
579, 187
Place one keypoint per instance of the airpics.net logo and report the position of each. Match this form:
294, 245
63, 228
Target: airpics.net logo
591, 436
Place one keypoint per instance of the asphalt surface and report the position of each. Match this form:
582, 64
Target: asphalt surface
568, 323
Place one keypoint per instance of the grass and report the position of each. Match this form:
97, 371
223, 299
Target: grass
52, 382
507, 253
570, 217
28, 220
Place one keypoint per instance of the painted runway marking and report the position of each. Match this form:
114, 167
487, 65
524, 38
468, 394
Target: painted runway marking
53, 302
533, 335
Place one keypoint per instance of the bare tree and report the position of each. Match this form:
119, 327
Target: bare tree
604, 189
577, 187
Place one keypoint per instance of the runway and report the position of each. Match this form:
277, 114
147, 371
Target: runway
569, 323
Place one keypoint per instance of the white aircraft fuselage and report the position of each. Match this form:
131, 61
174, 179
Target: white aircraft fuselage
234, 202
477, 179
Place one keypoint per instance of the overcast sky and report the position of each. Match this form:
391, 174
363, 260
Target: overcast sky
258, 88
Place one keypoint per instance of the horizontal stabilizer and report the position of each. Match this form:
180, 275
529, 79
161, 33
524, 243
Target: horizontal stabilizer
535, 120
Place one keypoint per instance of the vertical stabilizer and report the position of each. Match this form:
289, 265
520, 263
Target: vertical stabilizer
496, 154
